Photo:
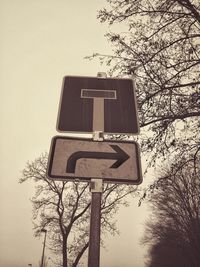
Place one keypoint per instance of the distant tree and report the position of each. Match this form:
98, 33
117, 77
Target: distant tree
160, 46
170, 251
173, 232
63, 208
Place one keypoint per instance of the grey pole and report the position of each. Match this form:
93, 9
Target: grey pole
95, 224
96, 188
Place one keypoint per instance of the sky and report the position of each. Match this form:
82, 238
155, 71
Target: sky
41, 41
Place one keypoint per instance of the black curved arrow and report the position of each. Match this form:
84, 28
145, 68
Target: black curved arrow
119, 155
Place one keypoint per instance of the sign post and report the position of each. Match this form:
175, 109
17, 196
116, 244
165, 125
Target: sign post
99, 105
96, 189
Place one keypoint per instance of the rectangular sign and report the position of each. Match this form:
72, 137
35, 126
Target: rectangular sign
78, 159
91, 104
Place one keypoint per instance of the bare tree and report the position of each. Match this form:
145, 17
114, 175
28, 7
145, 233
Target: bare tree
160, 46
63, 208
175, 222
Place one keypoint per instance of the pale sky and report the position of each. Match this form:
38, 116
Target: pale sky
41, 41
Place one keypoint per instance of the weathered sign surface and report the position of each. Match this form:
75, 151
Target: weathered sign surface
80, 159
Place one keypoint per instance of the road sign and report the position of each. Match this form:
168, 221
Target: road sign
91, 104
72, 159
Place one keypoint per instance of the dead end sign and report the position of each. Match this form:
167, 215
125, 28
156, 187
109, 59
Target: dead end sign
72, 159
100, 104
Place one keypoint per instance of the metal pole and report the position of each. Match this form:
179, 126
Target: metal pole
95, 224
45, 233
96, 188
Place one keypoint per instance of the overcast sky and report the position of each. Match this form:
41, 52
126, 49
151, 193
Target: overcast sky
41, 42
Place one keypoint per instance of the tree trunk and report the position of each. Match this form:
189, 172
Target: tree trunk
64, 251
80, 254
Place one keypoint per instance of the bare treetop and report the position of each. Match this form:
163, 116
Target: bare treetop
160, 47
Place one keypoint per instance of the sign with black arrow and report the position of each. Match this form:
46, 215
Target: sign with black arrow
79, 159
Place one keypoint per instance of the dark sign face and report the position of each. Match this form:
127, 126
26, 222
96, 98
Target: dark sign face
117, 162
98, 104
